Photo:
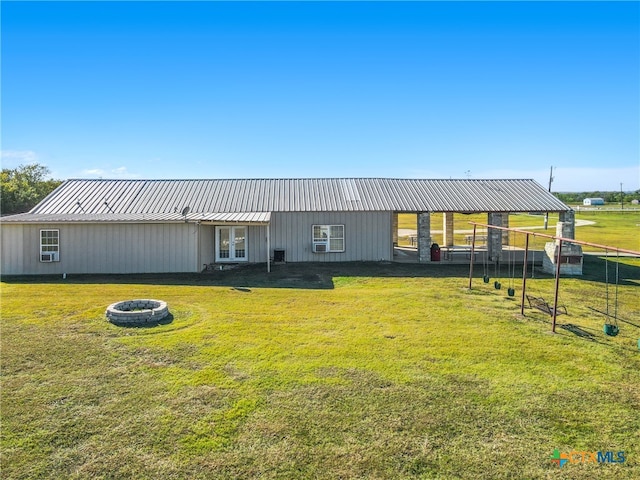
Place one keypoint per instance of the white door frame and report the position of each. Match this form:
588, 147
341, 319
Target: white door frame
234, 254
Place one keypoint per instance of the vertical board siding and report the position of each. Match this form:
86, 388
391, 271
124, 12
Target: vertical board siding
103, 248
257, 243
11, 249
207, 244
186, 247
367, 235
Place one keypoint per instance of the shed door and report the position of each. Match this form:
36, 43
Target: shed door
231, 244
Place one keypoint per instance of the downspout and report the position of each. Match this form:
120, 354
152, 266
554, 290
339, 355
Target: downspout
473, 253
197, 234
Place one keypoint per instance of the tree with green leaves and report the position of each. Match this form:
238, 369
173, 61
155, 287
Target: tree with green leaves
610, 197
23, 187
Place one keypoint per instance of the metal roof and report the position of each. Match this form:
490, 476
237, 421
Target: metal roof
164, 200
249, 217
238, 217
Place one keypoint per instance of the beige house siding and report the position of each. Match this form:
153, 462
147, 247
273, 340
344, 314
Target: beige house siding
367, 235
102, 248
257, 243
11, 249
186, 247
207, 244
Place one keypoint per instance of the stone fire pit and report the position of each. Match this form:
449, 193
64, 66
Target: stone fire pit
135, 312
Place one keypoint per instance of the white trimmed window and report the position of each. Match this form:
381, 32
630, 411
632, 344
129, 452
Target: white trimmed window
49, 245
328, 238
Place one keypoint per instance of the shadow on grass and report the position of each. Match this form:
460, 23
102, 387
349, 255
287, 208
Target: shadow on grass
584, 333
595, 269
290, 275
316, 275
579, 331
614, 317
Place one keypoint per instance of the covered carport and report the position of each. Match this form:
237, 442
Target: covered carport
497, 199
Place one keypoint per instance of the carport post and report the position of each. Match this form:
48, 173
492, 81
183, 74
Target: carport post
473, 248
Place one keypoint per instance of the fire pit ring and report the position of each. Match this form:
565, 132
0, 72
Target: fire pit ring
133, 312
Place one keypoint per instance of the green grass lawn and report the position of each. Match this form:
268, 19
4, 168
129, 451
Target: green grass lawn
620, 229
317, 371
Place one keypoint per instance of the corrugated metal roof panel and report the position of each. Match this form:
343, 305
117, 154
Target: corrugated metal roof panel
92, 217
237, 217
243, 217
91, 197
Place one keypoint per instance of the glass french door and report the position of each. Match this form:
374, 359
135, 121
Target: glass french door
231, 244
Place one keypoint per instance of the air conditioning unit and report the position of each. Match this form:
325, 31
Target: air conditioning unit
49, 257
319, 248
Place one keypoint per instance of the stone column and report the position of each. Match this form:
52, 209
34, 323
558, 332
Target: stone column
561, 216
564, 230
568, 221
571, 256
394, 229
424, 237
505, 233
447, 229
494, 235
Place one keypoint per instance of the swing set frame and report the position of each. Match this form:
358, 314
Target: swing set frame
560, 240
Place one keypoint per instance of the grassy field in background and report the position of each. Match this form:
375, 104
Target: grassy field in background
317, 371
621, 229
615, 228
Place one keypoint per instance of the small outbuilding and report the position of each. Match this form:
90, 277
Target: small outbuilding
593, 201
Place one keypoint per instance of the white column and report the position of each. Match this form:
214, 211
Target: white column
394, 229
447, 228
268, 248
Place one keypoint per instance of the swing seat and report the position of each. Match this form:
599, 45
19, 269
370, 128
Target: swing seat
542, 305
610, 329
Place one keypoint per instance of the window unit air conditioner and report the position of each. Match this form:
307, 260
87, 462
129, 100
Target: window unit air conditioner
49, 257
319, 248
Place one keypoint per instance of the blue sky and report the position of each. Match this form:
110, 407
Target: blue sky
334, 89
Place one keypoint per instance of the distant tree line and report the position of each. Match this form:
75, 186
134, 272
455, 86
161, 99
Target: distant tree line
609, 197
22, 188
